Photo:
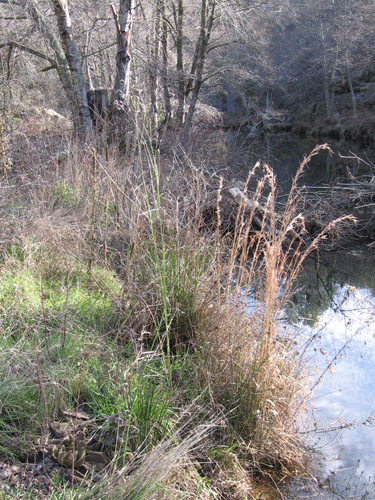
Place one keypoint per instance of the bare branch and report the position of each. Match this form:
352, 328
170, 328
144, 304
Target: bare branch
115, 17
48, 68
102, 49
30, 51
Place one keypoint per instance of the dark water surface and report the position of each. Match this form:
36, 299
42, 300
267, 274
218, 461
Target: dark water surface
284, 152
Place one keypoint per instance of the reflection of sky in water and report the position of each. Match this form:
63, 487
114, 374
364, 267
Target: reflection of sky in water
346, 330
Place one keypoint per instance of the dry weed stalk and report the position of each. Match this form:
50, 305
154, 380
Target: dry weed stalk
218, 222
2, 151
247, 361
93, 218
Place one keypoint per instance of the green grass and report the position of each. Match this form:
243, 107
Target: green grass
132, 311
29, 287
66, 195
52, 335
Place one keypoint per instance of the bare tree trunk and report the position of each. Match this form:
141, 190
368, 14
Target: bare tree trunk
88, 69
62, 65
327, 95
352, 94
84, 125
153, 67
347, 61
199, 47
207, 20
124, 27
164, 45
178, 17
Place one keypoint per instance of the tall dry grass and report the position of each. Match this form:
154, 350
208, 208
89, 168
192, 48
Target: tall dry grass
246, 355
185, 291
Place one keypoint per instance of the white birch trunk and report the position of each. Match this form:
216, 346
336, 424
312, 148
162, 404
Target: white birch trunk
83, 123
123, 59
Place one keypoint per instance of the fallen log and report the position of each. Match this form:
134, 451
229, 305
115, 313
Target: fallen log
249, 206
235, 206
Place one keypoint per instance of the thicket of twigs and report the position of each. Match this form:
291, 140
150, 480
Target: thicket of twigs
350, 195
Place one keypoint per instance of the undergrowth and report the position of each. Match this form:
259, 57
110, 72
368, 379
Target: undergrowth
117, 301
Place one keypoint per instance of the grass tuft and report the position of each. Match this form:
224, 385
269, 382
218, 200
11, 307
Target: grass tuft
118, 301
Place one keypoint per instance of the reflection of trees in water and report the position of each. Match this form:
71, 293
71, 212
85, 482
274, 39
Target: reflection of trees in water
284, 152
313, 294
324, 276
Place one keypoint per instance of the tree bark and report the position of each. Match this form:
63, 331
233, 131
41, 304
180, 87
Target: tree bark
207, 20
84, 122
121, 88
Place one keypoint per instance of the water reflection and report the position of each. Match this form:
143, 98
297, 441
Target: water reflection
284, 152
339, 312
322, 281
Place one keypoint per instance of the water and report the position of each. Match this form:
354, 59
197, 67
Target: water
284, 152
335, 307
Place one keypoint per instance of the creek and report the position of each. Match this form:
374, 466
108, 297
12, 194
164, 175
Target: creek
332, 316
284, 152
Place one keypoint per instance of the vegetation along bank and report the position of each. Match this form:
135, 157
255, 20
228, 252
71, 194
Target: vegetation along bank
132, 365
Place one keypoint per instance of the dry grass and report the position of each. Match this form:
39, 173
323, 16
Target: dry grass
249, 363
184, 291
